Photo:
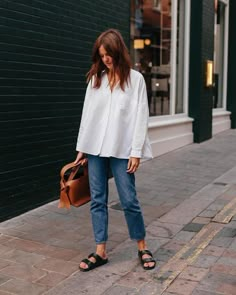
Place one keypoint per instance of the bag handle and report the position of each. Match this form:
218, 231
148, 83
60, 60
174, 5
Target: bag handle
67, 167
73, 172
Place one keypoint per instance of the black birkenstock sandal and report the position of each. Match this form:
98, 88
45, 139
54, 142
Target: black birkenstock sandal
146, 260
91, 265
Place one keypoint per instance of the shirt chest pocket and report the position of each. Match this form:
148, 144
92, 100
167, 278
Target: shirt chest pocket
125, 102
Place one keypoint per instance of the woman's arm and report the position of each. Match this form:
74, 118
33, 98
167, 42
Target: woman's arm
84, 113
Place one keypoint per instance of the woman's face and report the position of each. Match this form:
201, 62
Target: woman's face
106, 59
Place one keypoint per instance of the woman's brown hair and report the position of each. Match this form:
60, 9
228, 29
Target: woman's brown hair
114, 45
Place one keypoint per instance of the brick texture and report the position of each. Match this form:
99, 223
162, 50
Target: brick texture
45, 53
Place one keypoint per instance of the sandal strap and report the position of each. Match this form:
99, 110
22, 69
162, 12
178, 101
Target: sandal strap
88, 262
142, 252
91, 265
146, 260
96, 256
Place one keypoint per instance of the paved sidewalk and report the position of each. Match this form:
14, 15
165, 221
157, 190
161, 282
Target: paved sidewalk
189, 202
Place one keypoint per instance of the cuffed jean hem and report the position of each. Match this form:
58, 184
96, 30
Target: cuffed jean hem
103, 242
137, 240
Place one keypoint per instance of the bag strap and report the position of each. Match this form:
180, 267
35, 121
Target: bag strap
73, 172
67, 167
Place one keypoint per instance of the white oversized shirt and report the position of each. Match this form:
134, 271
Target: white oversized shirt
115, 123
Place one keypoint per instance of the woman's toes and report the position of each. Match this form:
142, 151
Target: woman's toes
148, 264
83, 265
151, 264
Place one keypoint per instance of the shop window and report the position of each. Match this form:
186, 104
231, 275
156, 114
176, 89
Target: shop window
154, 26
219, 53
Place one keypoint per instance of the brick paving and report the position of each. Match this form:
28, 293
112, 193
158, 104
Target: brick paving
188, 199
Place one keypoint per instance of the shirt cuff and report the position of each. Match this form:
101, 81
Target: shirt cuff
136, 153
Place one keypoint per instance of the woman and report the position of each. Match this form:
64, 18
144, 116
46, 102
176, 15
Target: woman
113, 135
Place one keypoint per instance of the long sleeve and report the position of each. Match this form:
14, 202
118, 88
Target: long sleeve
84, 113
141, 124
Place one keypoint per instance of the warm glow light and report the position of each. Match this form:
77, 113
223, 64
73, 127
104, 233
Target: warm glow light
209, 73
147, 42
138, 44
216, 4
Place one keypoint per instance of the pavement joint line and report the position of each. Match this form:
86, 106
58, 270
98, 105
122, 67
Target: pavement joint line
226, 214
190, 252
220, 183
197, 244
203, 245
196, 239
194, 247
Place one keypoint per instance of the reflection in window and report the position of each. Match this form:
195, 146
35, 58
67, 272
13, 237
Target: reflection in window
219, 54
162, 66
151, 50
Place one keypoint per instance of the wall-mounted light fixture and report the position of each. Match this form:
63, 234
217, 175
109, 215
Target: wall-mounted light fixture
209, 73
138, 43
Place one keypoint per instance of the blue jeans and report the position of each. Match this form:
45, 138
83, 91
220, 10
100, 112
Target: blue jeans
125, 183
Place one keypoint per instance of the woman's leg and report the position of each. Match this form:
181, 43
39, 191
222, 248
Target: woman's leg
125, 183
98, 181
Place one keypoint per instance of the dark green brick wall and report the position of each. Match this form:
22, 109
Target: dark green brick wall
231, 95
44, 55
201, 49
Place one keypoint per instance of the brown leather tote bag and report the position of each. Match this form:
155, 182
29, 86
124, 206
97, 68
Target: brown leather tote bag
74, 186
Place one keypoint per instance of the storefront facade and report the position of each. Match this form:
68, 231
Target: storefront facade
172, 41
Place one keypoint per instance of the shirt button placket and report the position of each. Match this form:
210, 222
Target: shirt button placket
106, 120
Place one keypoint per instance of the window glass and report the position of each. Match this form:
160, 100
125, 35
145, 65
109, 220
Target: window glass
151, 50
219, 54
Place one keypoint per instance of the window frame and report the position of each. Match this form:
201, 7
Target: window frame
225, 58
173, 75
173, 58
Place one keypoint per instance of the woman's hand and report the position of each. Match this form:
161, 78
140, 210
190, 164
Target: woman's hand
133, 164
80, 159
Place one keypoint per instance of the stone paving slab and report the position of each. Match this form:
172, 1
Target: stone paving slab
21, 287
195, 274
96, 282
180, 193
214, 282
185, 212
222, 268
183, 287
